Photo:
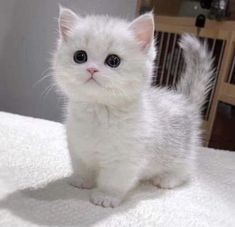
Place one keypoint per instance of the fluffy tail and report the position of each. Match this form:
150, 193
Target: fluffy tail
196, 80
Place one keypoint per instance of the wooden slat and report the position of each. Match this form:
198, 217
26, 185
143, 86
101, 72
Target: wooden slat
190, 22
171, 59
224, 71
227, 94
231, 70
176, 29
161, 36
162, 24
165, 57
216, 78
211, 33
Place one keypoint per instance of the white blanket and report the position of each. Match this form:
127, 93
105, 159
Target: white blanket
34, 164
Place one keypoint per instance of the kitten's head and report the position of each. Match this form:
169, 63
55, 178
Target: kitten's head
104, 60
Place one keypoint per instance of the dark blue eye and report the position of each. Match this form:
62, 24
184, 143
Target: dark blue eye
113, 60
80, 56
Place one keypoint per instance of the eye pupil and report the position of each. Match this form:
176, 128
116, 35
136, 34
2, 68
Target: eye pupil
80, 56
113, 61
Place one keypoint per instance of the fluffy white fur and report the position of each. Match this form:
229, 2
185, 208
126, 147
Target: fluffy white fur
121, 130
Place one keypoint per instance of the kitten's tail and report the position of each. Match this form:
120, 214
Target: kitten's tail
195, 82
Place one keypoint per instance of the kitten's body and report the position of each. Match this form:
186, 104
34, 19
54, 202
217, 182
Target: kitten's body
121, 131
152, 135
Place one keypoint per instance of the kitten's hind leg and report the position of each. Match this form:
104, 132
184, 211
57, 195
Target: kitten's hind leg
82, 177
80, 181
169, 180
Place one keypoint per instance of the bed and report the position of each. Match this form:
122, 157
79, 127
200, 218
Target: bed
34, 167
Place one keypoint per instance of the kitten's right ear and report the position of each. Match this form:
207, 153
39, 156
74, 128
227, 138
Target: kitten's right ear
143, 29
67, 22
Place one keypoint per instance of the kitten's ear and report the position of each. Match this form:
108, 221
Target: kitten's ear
67, 22
143, 28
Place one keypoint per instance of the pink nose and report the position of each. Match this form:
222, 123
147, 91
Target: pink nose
92, 70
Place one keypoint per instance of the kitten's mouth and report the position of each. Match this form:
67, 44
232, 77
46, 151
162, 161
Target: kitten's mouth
91, 79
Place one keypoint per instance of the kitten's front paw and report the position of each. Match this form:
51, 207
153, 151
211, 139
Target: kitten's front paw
101, 199
80, 182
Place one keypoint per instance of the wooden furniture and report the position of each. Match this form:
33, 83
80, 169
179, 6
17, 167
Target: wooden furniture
220, 37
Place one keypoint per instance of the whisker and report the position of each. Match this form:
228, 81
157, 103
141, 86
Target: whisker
46, 74
47, 90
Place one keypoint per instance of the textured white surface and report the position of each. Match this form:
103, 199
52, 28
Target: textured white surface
34, 164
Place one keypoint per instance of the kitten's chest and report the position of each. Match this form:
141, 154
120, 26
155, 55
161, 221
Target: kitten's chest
98, 127
101, 134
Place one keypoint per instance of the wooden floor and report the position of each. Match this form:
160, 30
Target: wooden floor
223, 133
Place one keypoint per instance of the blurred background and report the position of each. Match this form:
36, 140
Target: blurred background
28, 34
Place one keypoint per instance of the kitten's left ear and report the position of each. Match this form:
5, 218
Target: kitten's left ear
67, 22
143, 28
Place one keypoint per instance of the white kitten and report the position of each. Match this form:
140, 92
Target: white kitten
121, 130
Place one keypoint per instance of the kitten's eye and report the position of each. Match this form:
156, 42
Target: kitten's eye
80, 56
113, 60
